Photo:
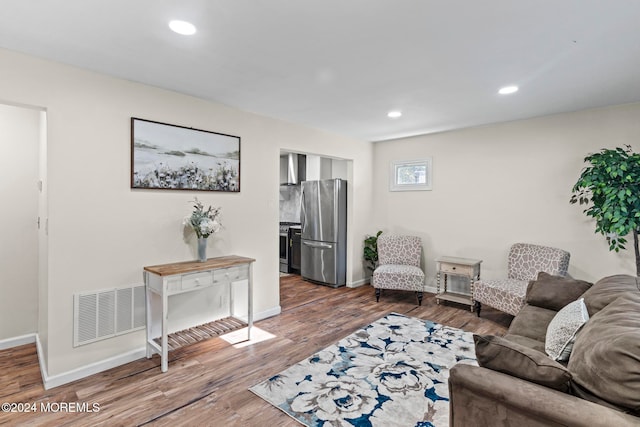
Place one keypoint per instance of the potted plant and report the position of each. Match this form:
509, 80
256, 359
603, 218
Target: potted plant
610, 187
370, 254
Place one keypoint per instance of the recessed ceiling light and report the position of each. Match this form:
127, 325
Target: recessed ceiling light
394, 114
507, 90
183, 27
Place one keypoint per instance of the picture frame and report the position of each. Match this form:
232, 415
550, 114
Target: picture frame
411, 175
172, 157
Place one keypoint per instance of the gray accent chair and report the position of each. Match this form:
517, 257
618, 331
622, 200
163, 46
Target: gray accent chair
399, 265
525, 262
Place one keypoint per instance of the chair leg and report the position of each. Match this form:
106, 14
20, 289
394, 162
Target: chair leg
419, 298
377, 294
478, 308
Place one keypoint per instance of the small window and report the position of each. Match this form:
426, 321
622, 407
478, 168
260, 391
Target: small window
414, 175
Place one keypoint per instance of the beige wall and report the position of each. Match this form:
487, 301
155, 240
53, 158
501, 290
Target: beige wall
19, 147
101, 233
506, 183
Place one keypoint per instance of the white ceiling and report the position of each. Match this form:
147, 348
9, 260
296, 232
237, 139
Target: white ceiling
341, 65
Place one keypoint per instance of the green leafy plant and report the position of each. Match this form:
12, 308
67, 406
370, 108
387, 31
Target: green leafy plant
610, 187
370, 254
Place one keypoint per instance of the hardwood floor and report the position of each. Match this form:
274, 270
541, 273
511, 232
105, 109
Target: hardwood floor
207, 383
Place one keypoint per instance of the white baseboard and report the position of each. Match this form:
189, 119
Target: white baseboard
16, 341
112, 362
431, 289
41, 361
359, 283
274, 311
87, 370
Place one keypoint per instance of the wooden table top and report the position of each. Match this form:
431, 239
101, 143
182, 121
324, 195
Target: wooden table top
192, 266
458, 260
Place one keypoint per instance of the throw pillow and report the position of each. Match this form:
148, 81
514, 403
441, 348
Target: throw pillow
554, 292
517, 360
562, 330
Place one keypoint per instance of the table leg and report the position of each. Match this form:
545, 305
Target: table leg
149, 317
473, 302
250, 302
165, 341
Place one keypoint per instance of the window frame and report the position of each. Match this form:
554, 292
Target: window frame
395, 165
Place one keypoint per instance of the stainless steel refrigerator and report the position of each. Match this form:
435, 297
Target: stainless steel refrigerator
324, 232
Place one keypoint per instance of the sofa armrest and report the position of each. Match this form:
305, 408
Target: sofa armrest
482, 397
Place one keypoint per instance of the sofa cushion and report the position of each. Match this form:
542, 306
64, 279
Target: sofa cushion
562, 330
526, 341
554, 292
532, 322
606, 355
511, 358
608, 289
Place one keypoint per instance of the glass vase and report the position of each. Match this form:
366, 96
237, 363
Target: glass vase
202, 249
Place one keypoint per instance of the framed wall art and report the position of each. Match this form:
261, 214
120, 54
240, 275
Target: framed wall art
171, 157
411, 175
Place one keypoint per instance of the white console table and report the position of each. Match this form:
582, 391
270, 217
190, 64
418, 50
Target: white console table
162, 281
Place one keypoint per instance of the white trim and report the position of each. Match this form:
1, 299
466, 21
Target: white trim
17, 341
367, 280
111, 362
358, 283
395, 185
431, 289
90, 369
41, 361
274, 311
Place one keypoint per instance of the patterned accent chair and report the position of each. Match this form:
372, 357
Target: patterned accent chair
525, 262
399, 265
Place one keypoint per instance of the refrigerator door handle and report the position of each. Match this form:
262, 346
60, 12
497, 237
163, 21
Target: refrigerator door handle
303, 211
317, 245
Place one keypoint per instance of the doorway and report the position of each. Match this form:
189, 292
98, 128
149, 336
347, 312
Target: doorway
305, 167
22, 219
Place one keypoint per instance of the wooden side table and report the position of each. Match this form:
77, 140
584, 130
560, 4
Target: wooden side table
463, 267
163, 281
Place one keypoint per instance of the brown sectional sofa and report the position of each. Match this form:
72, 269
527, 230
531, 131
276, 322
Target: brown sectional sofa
517, 384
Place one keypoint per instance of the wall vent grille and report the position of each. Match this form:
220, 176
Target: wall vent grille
107, 313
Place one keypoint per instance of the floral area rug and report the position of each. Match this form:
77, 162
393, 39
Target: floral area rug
393, 372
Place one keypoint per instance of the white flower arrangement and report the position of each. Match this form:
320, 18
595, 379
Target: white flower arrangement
204, 222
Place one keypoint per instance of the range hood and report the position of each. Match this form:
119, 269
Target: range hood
294, 169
